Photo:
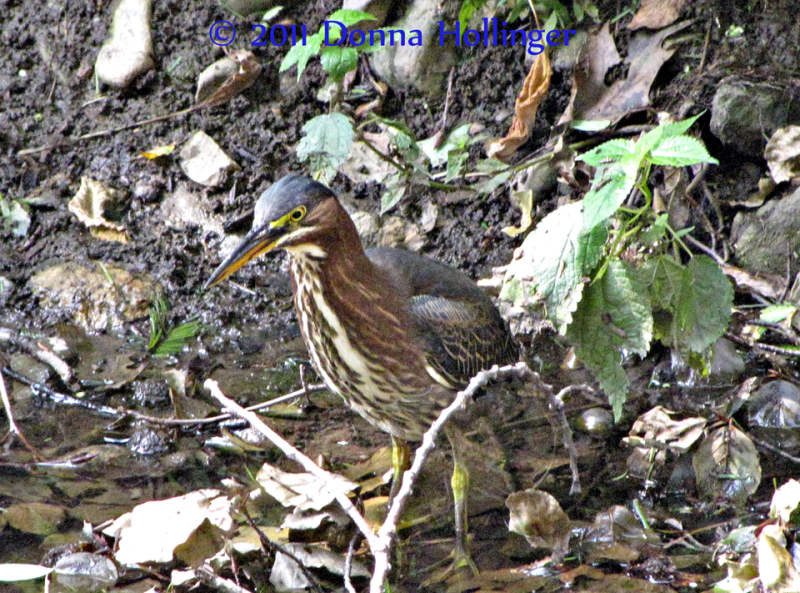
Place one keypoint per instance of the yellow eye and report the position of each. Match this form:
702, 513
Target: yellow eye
298, 214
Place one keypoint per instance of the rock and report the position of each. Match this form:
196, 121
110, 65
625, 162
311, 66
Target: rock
424, 66
95, 303
204, 161
745, 114
182, 209
128, 52
765, 240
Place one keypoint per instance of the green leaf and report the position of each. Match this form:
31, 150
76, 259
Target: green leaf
491, 165
338, 61
348, 18
327, 142
703, 305
777, 313
178, 338
608, 152
610, 188
300, 54
468, 8
556, 257
664, 277
395, 190
456, 159
12, 573
495, 181
458, 139
679, 127
613, 318
681, 151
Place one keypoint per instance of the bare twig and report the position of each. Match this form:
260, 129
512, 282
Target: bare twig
37, 350
375, 544
206, 575
13, 429
557, 405
380, 544
389, 528
276, 547
348, 564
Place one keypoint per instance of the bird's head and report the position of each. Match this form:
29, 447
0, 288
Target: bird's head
291, 214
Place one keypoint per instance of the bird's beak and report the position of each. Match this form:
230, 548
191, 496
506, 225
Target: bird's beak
256, 242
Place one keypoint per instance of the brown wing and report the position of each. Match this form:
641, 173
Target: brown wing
459, 327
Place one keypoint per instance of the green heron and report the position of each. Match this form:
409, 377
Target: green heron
392, 332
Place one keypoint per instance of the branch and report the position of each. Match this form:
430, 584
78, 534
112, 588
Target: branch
375, 544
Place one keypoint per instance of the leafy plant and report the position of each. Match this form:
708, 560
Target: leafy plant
611, 277
175, 339
337, 60
328, 139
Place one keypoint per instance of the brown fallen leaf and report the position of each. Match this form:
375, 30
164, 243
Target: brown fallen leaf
593, 101
244, 77
89, 206
598, 55
533, 91
655, 14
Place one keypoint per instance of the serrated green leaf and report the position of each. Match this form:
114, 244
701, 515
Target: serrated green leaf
349, 18
455, 164
664, 277
300, 54
557, 255
608, 152
703, 305
612, 319
679, 127
327, 142
338, 61
610, 188
681, 151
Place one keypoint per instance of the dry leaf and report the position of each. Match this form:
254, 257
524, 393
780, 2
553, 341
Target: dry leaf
593, 100
89, 205
158, 151
783, 154
655, 14
533, 91
767, 285
598, 55
245, 76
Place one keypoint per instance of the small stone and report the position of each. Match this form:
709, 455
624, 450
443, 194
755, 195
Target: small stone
204, 161
128, 52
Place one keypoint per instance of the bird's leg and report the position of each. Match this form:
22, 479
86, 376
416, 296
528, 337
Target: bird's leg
462, 562
401, 456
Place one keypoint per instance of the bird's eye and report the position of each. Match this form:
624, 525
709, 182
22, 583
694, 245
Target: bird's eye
298, 214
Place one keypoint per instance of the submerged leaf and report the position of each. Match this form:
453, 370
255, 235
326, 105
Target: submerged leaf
727, 465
